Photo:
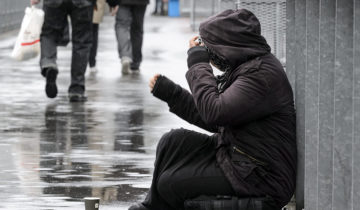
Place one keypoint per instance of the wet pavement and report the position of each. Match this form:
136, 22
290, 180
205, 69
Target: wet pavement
54, 153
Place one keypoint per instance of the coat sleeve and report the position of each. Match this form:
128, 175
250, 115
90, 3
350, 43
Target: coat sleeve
180, 102
246, 99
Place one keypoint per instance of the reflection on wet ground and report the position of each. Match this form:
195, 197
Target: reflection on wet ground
54, 153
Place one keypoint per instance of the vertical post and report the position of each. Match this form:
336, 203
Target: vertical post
300, 70
218, 5
326, 104
356, 147
1, 17
192, 14
312, 78
238, 4
277, 40
6, 15
212, 7
343, 111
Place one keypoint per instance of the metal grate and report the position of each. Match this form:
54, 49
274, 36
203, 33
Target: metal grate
272, 16
11, 14
271, 13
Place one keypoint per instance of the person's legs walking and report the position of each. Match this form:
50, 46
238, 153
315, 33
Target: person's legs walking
122, 29
162, 6
93, 50
157, 7
52, 31
81, 20
136, 34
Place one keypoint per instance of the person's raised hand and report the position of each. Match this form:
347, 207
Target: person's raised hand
32, 2
195, 42
113, 10
153, 81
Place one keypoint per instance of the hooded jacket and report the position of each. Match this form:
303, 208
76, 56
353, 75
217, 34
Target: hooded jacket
252, 113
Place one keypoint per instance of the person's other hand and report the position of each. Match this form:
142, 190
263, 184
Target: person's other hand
113, 10
32, 2
153, 81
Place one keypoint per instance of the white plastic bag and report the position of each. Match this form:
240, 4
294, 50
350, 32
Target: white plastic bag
27, 44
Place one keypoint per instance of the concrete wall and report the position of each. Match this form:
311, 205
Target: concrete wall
323, 64
11, 14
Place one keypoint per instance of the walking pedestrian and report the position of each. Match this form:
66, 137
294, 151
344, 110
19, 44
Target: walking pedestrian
56, 13
129, 28
97, 19
159, 7
250, 110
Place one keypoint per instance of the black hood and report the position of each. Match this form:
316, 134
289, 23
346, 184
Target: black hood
235, 36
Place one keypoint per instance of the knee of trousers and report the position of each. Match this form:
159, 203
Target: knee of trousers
170, 137
163, 184
123, 23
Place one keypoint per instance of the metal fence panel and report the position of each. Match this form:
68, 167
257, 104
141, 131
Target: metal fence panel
272, 16
11, 14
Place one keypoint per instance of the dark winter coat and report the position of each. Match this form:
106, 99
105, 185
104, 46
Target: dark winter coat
253, 113
113, 3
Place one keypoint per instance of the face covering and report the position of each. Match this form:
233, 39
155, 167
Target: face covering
223, 66
218, 62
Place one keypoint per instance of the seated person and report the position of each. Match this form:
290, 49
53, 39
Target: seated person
250, 110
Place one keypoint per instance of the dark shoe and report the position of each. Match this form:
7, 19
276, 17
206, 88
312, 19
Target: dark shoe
51, 88
77, 97
138, 206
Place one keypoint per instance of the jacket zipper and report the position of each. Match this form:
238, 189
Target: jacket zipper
249, 156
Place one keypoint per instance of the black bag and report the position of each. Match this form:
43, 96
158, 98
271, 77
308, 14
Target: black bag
230, 203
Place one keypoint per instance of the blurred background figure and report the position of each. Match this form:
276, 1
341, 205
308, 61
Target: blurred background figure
129, 28
160, 7
97, 19
56, 13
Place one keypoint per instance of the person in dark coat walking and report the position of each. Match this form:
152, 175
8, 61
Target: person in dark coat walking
55, 32
250, 110
129, 28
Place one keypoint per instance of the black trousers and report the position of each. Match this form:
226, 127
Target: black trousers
56, 13
94, 46
185, 167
